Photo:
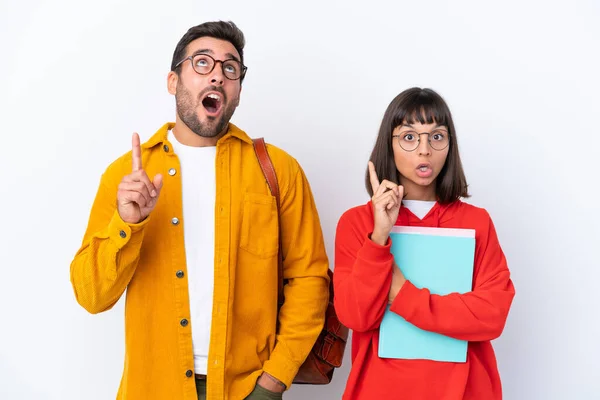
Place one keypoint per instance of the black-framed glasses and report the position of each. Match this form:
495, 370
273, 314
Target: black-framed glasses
410, 140
204, 64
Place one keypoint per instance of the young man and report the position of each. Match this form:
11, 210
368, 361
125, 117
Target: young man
187, 224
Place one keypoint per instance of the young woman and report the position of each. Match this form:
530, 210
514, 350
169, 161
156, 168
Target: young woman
415, 178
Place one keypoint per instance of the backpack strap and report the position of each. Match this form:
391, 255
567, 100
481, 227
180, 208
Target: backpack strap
269, 172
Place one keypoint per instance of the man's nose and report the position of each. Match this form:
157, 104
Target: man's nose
216, 76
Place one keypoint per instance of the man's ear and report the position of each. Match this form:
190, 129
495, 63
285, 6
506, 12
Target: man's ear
172, 80
237, 103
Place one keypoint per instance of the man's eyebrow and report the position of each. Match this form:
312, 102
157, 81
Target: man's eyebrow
231, 56
209, 51
202, 51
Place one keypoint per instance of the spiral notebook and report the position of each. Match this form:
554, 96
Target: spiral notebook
441, 260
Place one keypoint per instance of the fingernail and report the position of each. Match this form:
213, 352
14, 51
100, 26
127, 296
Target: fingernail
153, 194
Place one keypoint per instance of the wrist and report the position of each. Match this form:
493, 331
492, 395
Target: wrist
271, 383
395, 289
379, 238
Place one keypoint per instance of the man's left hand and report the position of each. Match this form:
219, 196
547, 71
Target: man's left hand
270, 383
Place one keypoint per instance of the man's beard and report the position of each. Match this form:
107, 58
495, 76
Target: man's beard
186, 109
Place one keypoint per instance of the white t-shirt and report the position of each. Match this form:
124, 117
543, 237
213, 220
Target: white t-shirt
418, 207
198, 183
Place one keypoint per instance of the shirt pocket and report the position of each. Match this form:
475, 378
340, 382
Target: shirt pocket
260, 228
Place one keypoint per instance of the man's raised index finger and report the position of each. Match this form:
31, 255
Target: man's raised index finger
136, 153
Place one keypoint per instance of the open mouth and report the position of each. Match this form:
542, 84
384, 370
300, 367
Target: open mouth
424, 170
212, 103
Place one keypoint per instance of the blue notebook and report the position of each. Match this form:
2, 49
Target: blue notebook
440, 260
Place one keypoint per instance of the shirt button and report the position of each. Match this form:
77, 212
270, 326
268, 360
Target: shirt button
184, 322
175, 221
189, 373
172, 171
123, 234
166, 148
179, 274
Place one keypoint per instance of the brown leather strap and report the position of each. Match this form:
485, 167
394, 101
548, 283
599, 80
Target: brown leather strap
269, 171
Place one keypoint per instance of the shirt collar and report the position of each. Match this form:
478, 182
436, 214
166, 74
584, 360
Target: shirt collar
161, 135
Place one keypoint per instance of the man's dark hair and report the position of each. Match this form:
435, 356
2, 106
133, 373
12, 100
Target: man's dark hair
219, 30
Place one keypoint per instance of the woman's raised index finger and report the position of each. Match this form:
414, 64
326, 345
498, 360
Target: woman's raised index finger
373, 177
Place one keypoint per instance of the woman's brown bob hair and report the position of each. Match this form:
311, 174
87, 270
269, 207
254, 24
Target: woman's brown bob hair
427, 107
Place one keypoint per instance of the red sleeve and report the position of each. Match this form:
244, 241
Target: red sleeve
478, 315
362, 274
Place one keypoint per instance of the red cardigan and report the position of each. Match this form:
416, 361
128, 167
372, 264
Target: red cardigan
362, 278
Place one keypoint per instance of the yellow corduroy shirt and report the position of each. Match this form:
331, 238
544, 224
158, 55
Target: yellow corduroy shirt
148, 259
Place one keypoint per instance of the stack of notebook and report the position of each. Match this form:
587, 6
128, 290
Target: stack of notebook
440, 260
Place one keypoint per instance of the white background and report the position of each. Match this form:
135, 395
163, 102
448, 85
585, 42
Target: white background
521, 77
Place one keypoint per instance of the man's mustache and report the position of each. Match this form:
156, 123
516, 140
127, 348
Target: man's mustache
212, 89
